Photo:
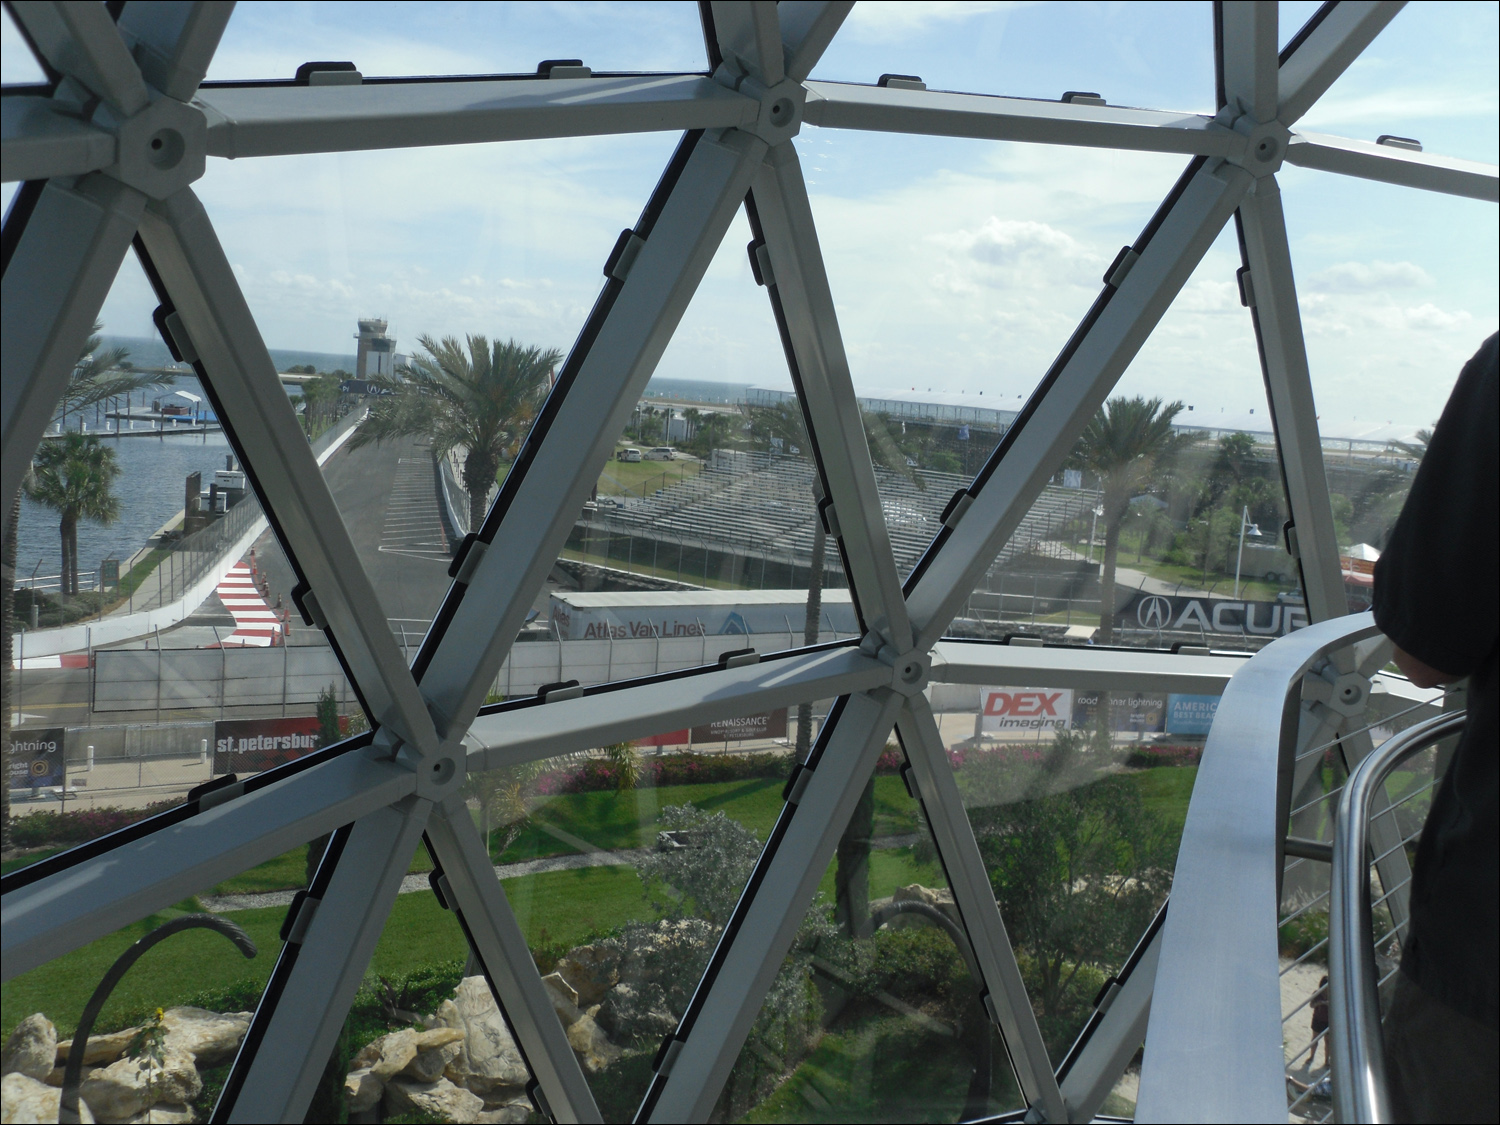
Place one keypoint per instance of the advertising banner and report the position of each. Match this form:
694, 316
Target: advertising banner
1191, 714
37, 760
692, 613
769, 724
1131, 711
253, 745
1021, 708
1161, 613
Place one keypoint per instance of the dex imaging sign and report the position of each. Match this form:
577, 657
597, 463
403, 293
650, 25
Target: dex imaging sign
1020, 708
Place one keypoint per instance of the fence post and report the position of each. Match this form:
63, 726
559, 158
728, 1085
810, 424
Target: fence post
283, 681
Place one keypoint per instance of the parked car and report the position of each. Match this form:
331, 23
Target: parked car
628, 454
661, 453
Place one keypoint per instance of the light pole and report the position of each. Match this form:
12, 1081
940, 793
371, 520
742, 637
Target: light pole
1254, 530
1093, 527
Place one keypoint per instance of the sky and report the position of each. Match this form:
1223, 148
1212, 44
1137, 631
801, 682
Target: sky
958, 265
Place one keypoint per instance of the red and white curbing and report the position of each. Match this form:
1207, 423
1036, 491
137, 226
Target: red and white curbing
256, 624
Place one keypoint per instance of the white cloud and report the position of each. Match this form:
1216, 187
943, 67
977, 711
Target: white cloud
895, 21
1368, 277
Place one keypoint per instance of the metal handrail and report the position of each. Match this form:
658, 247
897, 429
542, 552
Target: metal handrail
1359, 1087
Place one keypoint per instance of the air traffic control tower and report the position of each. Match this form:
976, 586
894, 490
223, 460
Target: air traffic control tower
377, 351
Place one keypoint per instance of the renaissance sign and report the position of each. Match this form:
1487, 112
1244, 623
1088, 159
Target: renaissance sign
1164, 613
253, 745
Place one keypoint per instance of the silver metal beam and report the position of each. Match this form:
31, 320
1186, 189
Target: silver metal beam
341, 936
801, 285
780, 902
1392, 165
54, 286
186, 251
955, 662
501, 946
1325, 54
573, 725
613, 374
63, 912
750, 36
1289, 386
1114, 1042
81, 40
1250, 47
1078, 385
41, 140
975, 899
281, 120
839, 105
173, 42
807, 27
1218, 993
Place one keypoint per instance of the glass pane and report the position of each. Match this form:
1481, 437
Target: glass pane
18, 65
875, 1014
425, 1038
417, 359
1417, 79
273, 40
703, 535
1155, 55
622, 865
161, 1046
1077, 799
1393, 310
156, 648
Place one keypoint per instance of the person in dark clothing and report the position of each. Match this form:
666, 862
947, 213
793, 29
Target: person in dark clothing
1437, 596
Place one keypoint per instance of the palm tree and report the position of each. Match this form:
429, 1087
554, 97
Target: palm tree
470, 396
74, 475
1125, 444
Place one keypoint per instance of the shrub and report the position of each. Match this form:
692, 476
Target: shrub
672, 769
49, 827
1151, 757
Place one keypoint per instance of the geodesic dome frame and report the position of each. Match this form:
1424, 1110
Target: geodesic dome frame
109, 155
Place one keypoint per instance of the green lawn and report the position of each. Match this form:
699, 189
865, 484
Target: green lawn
1166, 791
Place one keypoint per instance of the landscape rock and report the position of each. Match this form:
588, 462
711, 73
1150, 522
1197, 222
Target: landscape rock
362, 1091
104, 1048
487, 1058
939, 897
26, 1101
591, 971
125, 1088
389, 1055
164, 1114
592, 1046
440, 1099
512, 1114
31, 1048
435, 1050
564, 999
210, 1037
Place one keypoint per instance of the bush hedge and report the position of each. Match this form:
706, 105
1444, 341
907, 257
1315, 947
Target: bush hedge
51, 827
1150, 757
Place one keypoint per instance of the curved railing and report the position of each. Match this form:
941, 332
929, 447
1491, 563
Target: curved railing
1359, 1093
1253, 866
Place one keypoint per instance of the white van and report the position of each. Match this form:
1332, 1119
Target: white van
661, 453
628, 454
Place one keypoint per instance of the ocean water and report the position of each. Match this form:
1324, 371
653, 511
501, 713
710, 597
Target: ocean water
148, 352
697, 390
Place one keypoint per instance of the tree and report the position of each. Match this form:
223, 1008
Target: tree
471, 396
97, 376
74, 476
1126, 442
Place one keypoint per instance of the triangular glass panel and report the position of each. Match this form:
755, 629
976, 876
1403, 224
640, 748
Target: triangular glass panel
1391, 316
622, 865
876, 1012
168, 1030
703, 535
945, 350
152, 639
1414, 83
18, 63
1077, 809
446, 40
426, 1036
479, 298
1157, 57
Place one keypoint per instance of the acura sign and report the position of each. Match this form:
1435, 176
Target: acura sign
1162, 613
